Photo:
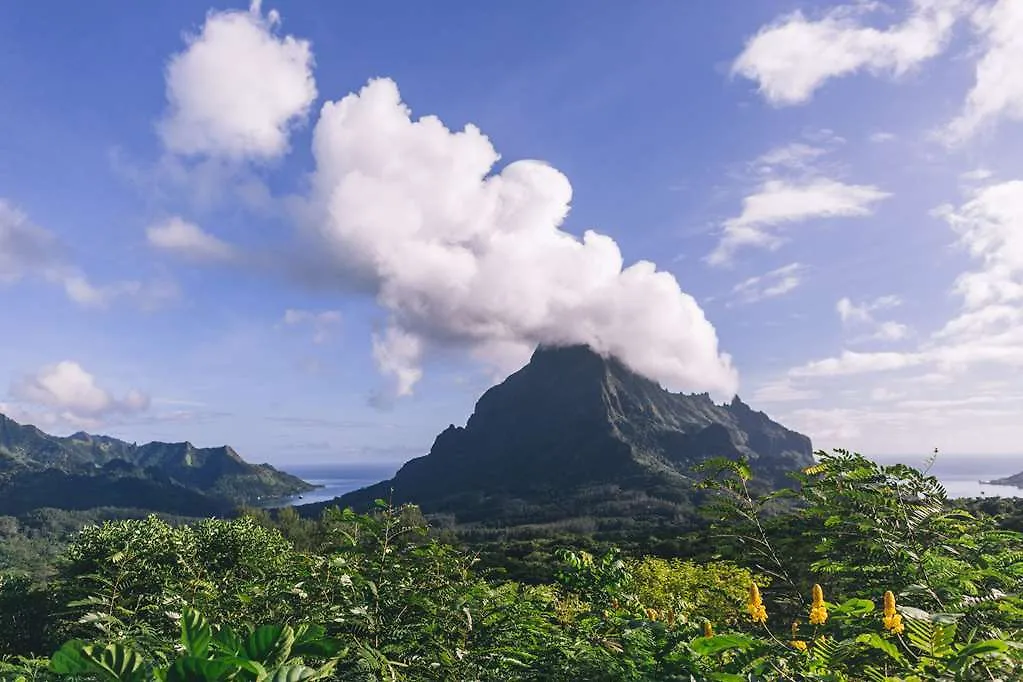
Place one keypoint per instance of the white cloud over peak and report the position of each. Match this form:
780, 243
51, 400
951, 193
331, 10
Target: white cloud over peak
794, 56
775, 283
68, 394
184, 238
237, 89
998, 89
459, 254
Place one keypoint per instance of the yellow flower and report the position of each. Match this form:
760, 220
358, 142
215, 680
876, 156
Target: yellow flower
708, 629
799, 644
818, 611
892, 619
755, 605
651, 613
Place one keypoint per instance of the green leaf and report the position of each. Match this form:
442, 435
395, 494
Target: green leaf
876, 641
270, 644
706, 646
226, 640
68, 660
196, 633
192, 669
118, 662
294, 673
855, 607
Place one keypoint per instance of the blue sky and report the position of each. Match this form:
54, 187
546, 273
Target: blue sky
270, 226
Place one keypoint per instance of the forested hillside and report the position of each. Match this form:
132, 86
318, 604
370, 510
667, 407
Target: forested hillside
862, 572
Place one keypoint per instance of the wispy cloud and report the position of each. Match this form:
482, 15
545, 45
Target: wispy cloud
771, 284
794, 56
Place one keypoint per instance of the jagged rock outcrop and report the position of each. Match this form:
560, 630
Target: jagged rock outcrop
572, 429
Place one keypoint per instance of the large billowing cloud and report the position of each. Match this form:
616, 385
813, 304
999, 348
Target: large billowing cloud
67, 394
237, 89
460, 253
794, 56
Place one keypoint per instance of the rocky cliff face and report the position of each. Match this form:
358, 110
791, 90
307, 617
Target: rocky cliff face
573, 421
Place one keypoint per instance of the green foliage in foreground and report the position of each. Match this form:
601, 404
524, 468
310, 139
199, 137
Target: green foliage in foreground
374, 597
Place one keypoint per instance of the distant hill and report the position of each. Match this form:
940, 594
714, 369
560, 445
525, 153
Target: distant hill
1014, 480
82, 471
577, 438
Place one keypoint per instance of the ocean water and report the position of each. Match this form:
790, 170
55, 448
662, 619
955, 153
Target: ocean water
961, 475
335, 480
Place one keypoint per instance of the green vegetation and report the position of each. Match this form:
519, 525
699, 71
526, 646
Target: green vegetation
861, 572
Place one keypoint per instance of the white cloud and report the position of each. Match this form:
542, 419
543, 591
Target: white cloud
852, 362
796, 155
990, 228
187, 239
24, 248
69, 394
323, 323
769, 285
983, 339
862, 315
779, 203
782, 391
998, 89
890, 331
237, 90
794, 56
146, 295
976, 175
29, 250
881, 137
461, 255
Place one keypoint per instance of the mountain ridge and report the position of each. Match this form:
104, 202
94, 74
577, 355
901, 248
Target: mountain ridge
83, 470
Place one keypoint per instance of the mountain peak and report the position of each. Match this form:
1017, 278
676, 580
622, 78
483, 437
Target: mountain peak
572, 420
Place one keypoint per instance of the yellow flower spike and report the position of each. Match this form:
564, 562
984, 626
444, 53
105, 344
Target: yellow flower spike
818, 611
708, 629
799, 644
892, 618
755, 605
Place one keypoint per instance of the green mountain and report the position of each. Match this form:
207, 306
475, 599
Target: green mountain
83, 471
579, 439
